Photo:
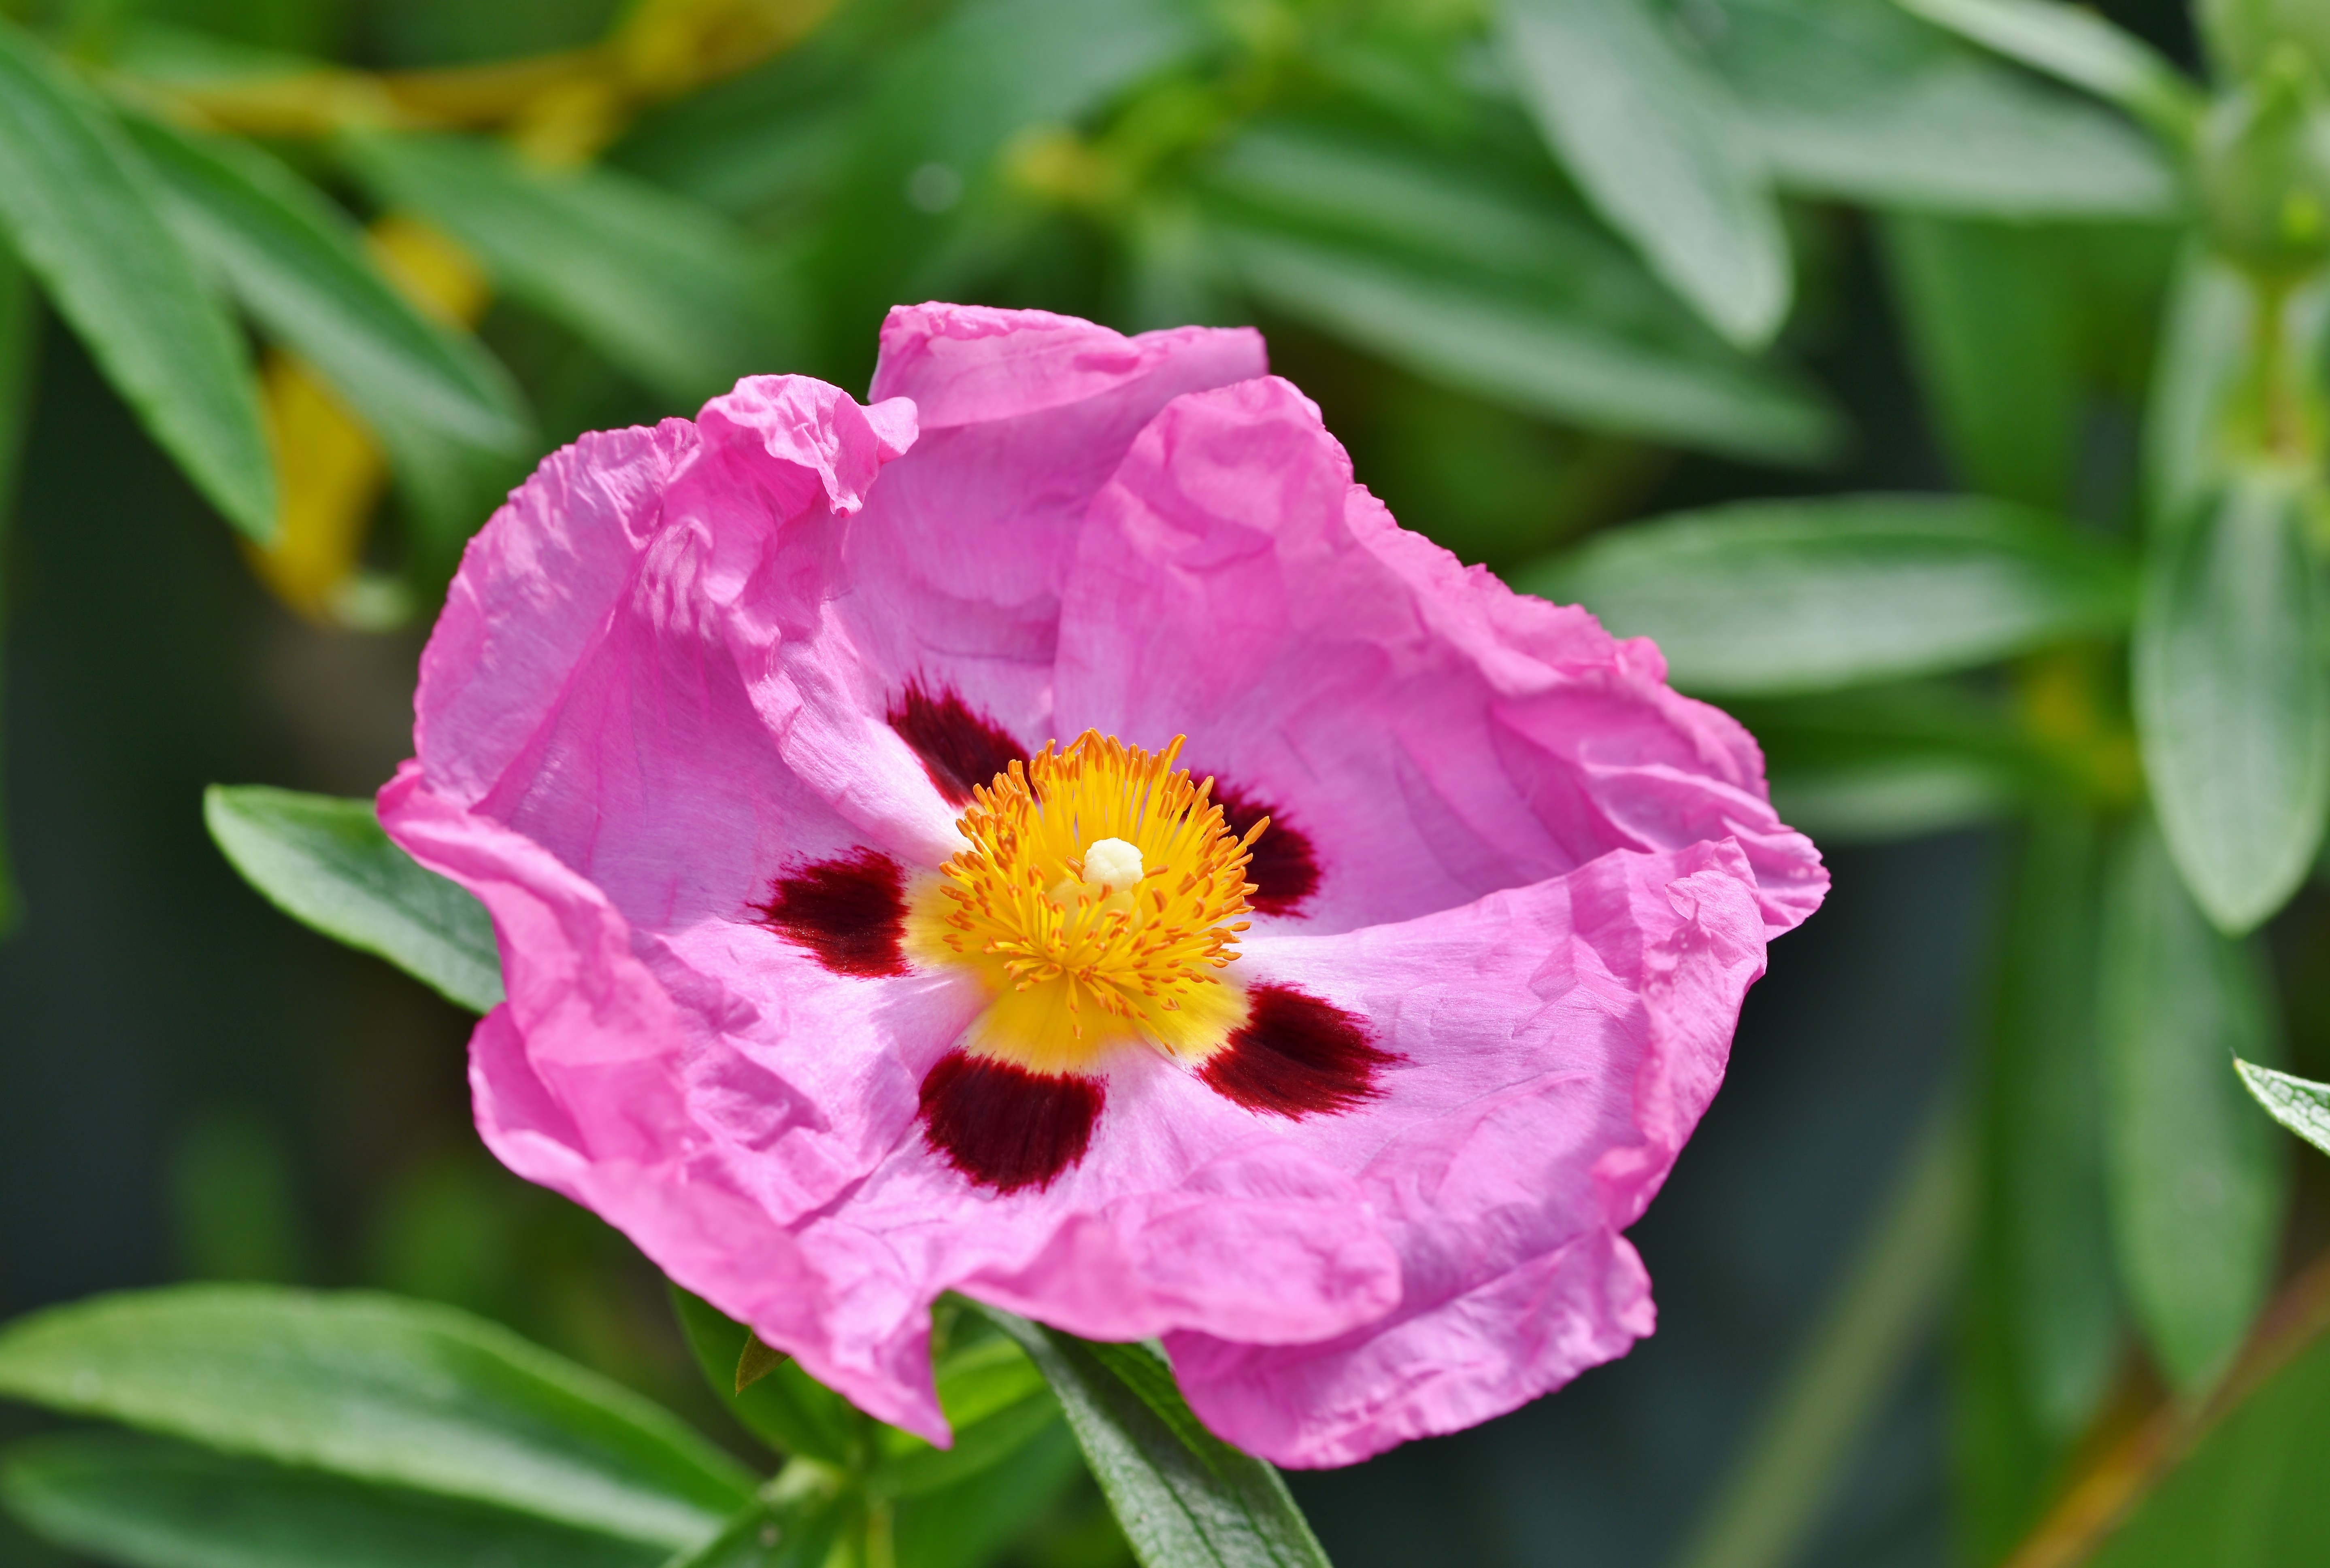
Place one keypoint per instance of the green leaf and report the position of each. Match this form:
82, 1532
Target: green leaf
2076, 45
2298, 1104
2250, 1494
1183, 1496
1775, 597
86, 214
2233, 696
1657, 147
377, 1389
664, 287
300, 268
324, 862
1846, 98
2197, 1182
787, 1408
1483, 284
156, 1504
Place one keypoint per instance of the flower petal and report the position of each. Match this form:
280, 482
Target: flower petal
1557, 1044
1433, 735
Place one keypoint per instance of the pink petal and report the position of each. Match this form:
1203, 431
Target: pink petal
1559, 1043
1434, 734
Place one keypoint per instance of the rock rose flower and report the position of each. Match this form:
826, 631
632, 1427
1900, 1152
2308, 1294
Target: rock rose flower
1048, 833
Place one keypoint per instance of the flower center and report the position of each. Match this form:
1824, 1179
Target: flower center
1101, 893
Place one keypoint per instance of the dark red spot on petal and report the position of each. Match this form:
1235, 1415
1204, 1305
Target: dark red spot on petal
849, 914
1004, 1127
1296, 1055
1283, 871
960, 748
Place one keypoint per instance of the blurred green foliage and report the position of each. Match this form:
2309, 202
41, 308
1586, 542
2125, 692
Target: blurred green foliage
354, 263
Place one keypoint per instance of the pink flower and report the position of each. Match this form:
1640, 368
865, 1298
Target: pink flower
835, 776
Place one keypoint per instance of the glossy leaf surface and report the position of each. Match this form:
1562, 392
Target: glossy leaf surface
85, 211
324, 862
378, 1389
2078, 46
1774, 597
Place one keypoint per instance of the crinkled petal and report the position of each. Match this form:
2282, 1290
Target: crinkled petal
1432, 734
1558, 1043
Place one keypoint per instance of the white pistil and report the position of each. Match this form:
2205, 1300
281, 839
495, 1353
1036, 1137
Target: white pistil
1111, 865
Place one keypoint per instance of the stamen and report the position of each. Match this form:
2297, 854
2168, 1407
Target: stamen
1099, 896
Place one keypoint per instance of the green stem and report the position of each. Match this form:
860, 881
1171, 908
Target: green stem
1794, 1459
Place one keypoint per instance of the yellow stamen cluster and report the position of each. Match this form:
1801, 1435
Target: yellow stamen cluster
1080, 958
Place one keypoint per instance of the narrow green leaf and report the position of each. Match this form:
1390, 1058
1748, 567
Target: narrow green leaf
1862, 101
2251, 1495
1183, 1496
300, 268
2197, 1182
324, 862
2079, 46
1991, 327
786, 1407
2298, 1103
1774, 597
1882, 762
86, 214
154, 1504
377, 1389
1657, 146
666, 288
2233, 696
1469, 276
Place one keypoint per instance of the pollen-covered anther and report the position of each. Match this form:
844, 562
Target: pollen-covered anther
1100, 895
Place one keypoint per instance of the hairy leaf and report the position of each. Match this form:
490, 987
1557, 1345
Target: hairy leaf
2298, 1104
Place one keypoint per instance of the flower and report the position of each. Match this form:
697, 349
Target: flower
1048, 833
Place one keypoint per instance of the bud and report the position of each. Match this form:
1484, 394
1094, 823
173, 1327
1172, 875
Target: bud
2263, 164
